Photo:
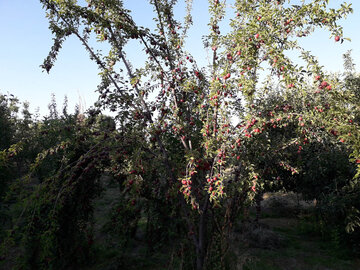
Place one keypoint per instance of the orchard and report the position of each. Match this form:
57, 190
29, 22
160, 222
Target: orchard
190, 147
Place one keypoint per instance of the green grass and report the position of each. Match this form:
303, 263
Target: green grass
304, 250
260, 265
299, 259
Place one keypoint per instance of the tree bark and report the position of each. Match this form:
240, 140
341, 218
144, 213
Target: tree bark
200, 248
201, 245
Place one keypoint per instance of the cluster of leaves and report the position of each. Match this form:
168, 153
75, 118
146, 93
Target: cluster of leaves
28, 139
49, 207
314, 152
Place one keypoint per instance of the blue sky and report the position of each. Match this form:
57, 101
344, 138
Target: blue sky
25, 41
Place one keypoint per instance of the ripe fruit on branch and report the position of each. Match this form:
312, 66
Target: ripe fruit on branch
337, 38
227, 76
323, 85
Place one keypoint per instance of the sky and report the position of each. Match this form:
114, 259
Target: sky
25, 41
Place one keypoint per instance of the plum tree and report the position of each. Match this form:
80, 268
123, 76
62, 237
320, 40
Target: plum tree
195, 125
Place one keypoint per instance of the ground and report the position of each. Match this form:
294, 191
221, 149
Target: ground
287, 241
283, 239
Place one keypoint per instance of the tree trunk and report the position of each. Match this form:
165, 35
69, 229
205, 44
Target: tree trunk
200, 248
201, 244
